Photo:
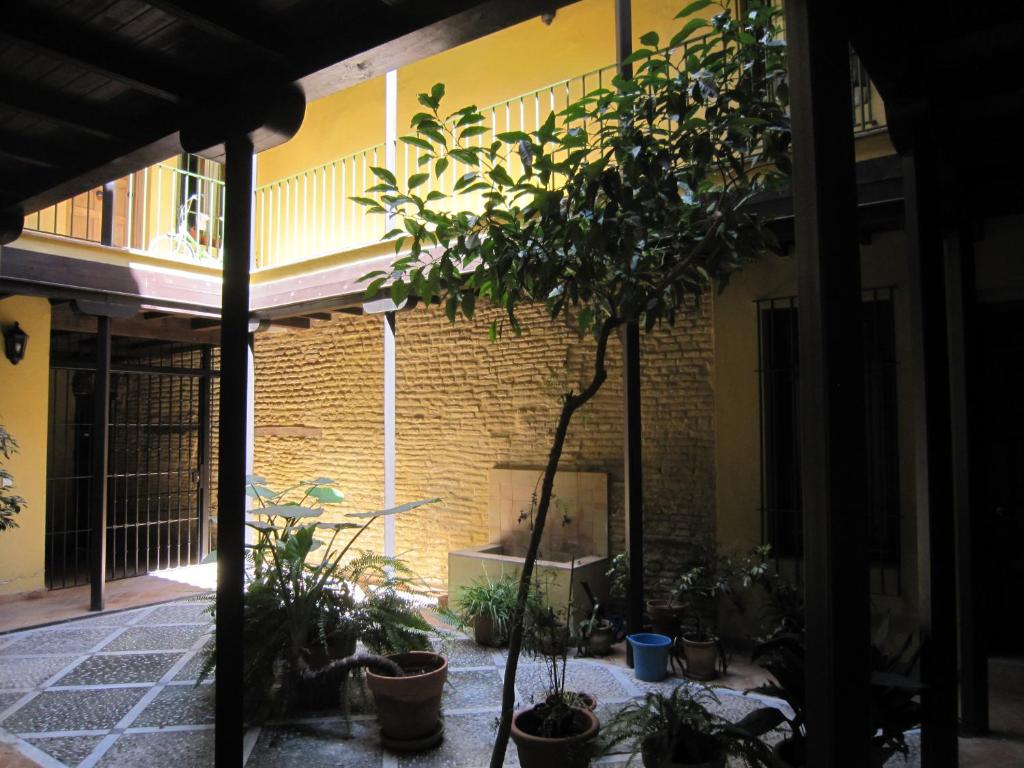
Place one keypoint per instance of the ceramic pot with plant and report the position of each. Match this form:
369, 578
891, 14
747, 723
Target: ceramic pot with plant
595, 635
409, 705
666, 615
676, 730
560, 730
309, 599
487, 605
407, 690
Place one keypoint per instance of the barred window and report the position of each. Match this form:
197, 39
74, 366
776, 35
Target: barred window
779, 373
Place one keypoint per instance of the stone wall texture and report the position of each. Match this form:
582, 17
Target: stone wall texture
465, 404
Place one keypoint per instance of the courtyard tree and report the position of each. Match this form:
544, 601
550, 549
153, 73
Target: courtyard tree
628, 206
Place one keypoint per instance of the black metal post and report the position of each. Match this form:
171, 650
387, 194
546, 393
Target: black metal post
832, 417
231, 475
632, 453
107, 215
204, 458
100, 456
960, 300
929, 373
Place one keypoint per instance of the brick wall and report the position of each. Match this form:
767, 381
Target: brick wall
465, 404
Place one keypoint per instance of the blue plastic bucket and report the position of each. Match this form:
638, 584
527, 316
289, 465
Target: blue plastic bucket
650, 656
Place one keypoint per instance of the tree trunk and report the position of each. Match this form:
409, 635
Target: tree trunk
515, 640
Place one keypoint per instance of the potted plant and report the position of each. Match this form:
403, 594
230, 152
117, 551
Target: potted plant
676, 730
700, 585
304, 609
10, 504
895, 708
406, 688
487, 606
595, 634
557, 731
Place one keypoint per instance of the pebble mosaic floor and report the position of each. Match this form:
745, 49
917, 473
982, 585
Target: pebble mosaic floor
118, 691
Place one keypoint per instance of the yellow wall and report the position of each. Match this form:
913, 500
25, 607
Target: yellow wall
737, 436
23, 411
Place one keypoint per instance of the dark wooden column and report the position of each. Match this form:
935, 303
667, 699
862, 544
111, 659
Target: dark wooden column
107, 215
632, 425
832, 416
231, 478
970, 555
100, 455
205, 458
933, 462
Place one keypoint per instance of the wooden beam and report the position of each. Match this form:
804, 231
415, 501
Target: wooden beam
292, 322
166, 329
103, 55
933, 460
961, 300
100, 448
229, 26
831, 395
228, 741
27, 151
60, 109
319, 316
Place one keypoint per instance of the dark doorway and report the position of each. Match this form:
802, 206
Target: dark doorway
1001, 469
158, 457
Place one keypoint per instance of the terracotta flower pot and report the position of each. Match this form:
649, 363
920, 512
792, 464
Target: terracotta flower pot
665, 616
540, 752
409, 707
701, 658
484, 631
601, 640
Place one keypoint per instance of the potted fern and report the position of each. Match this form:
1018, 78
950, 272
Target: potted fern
676, 730
303, 609
487, 606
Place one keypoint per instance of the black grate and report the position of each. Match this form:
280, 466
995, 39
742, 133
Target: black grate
779, 373
158, 448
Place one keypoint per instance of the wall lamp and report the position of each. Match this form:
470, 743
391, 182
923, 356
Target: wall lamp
15, 341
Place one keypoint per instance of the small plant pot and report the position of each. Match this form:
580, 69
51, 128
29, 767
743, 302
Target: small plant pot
567, 752
601, 639
653, 757
409, 707
485, 632
665, 616
701, 658
650, 656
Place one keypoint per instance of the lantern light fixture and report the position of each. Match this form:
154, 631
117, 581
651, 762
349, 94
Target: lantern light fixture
15, 342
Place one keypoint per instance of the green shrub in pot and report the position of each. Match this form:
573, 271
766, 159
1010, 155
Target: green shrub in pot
487, 606
309, 600
676, 729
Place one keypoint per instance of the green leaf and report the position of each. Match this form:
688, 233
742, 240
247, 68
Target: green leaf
437, 92
285, 510
468, 304
417, 179
688, 29
440, 167
384, 175
367, 201
650, 39
416, 141
692, 8
327, 495
394, 510
513, 137
473, 130
500, 176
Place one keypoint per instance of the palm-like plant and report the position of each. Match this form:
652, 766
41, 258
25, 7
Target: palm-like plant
301, 609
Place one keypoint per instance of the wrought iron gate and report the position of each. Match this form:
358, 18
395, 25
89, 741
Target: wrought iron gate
158, 457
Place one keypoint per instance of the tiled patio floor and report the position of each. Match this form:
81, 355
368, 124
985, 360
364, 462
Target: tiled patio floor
119, 690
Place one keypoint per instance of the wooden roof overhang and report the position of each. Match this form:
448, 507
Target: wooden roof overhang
93, 89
